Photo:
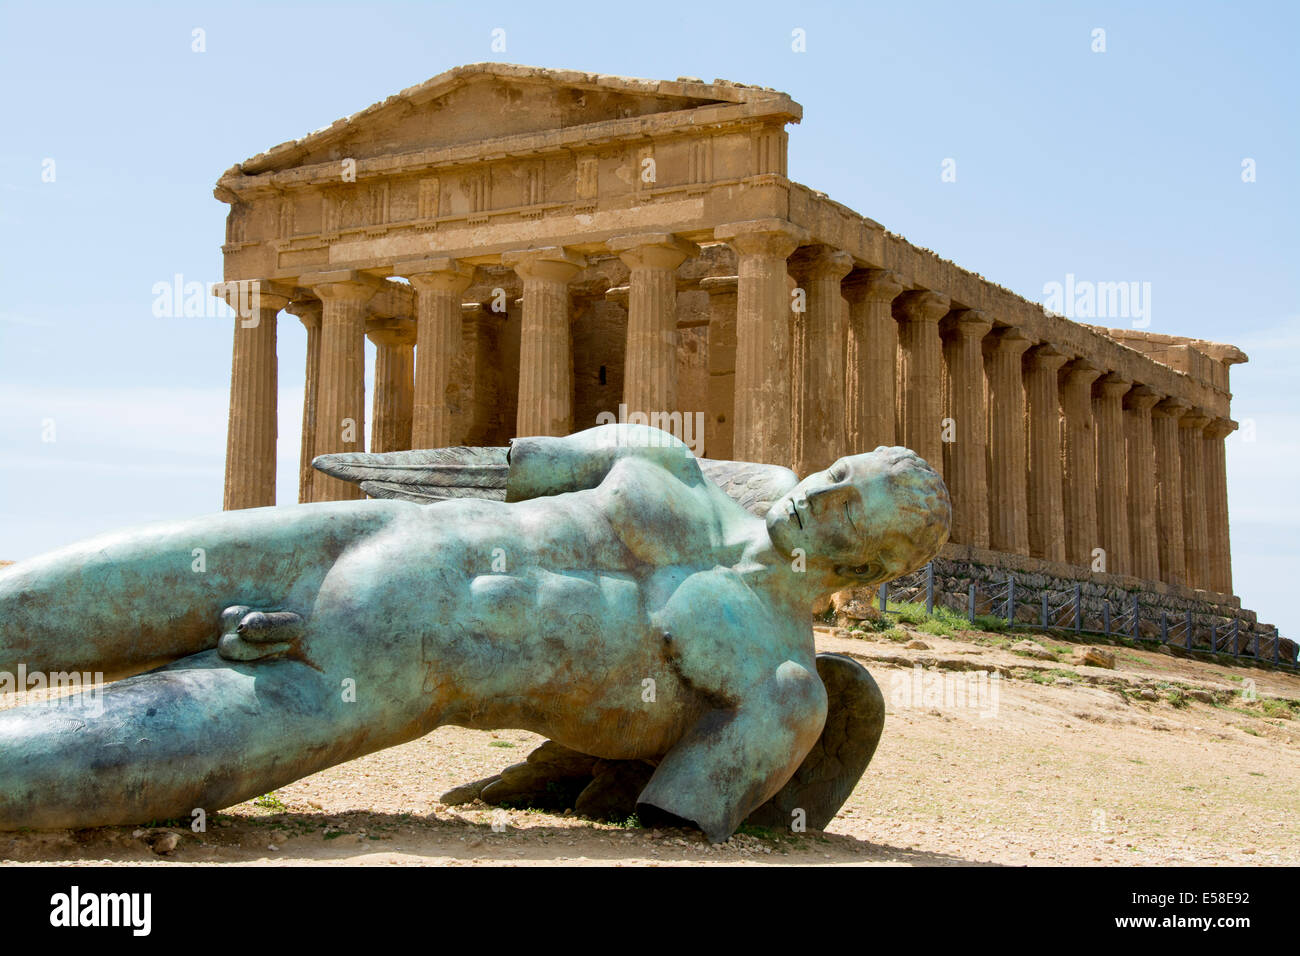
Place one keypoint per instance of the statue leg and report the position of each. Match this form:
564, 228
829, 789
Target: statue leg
201, 733
126, 601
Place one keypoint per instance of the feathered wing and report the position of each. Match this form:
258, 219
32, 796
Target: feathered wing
433, 474
437, 474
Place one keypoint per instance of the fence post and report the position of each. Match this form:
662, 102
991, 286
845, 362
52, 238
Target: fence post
1236, 635
1277, 646
1044, 609
1105, 616
1214, 636
1188, 635
1137, 609
929, 588
970, 603
1011, 600
884, 597
1078, 608
1164, 627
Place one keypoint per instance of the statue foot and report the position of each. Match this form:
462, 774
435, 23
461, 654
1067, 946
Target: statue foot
249, 635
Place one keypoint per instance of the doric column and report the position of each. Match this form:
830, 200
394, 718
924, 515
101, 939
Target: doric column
763, 390
1008, 469
545, 340
1216, 503
394, 383
1191, 450
921, 352
966, 458
439, 284
309, 312
251, 428
341, 391
1079, 494
1046, 504
1144, 561
650, 359
720, 433
1169, 489
817, 363
1112, 471
871, 360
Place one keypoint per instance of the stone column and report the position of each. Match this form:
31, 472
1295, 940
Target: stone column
545, 340
1046, 504
1169, 490
394, 383
1144, 561
251, 427
722, 365
1216, 503
1079, 494
921, 351
439, 284
309, 312
871, 358
1112, 471
763, 392
1191, 450
817, 364
966, 465
341, 392
650, 359
1008, 468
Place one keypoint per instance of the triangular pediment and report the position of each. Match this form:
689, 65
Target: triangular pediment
492, 101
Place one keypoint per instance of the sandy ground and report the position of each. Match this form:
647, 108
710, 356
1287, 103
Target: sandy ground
1049, 763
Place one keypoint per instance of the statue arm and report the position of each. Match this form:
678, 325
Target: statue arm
734, 759
542, 466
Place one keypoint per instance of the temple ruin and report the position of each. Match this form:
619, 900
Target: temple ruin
530, 248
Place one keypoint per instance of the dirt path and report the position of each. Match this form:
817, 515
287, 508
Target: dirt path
1051, 762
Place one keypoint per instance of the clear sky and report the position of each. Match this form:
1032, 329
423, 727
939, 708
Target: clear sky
1122, 165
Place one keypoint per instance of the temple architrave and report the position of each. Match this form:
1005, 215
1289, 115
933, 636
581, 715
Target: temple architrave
529, 248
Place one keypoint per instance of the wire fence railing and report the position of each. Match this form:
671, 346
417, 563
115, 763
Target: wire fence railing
1017, 604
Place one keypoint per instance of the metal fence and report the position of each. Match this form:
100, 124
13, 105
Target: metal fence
1063, 609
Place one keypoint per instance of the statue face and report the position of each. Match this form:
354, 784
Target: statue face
869, 517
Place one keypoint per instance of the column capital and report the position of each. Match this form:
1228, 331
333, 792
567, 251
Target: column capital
248, 295
440, 274
1008, 341
652, 250
1112, 385
1080, 373
551, 262
1220, 428
820, 262
308, 311
1196, 418
1170, 408
1046, 357
767, 237
878, 284
344, 284
391, 332
968, 323
1141, 398
920, 305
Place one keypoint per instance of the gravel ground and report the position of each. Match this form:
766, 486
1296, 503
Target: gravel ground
1050, 763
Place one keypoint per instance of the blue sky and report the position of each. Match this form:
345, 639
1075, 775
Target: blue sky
1115, 166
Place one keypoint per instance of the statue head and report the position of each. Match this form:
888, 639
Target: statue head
865, 519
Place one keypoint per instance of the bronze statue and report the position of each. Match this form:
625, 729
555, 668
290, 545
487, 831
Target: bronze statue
607, 590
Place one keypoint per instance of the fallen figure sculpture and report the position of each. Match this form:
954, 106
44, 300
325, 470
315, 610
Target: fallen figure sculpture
607, 590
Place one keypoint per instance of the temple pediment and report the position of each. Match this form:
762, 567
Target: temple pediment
516, 110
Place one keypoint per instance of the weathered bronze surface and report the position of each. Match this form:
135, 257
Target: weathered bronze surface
617, 601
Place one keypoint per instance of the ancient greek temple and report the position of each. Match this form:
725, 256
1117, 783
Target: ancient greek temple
529, 248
